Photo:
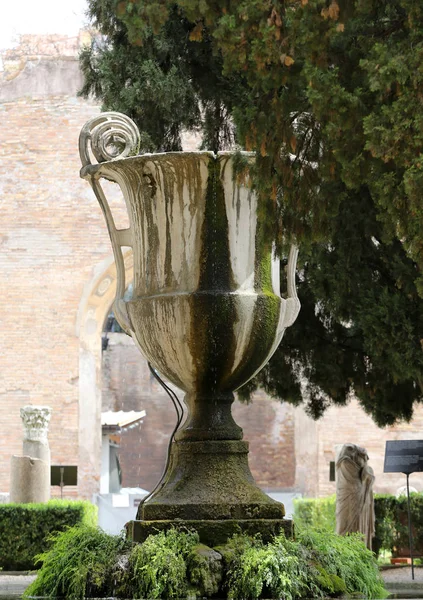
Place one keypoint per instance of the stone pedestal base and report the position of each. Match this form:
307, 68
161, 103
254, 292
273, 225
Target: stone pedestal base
212, 532
209, 480
208, 487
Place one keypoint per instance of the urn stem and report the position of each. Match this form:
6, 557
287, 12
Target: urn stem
209, 418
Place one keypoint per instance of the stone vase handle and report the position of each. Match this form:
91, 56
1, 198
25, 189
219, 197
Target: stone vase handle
110, 136
293, 304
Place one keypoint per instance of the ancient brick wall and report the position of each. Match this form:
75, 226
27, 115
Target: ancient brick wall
52, 235
352, 424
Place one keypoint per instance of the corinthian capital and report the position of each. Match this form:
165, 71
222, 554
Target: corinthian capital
35, 421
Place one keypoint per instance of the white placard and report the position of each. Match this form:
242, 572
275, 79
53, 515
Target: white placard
120, 500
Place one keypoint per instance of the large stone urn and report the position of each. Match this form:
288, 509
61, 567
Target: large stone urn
206, 312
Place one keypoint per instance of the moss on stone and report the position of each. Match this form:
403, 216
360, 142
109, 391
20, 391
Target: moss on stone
205, 568
330, 582
214, 532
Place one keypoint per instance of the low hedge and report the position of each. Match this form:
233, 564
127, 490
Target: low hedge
318, 513
392, 524
25, 529
391, 520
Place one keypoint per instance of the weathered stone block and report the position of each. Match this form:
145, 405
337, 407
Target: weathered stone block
213, 532
30, 480
205, 567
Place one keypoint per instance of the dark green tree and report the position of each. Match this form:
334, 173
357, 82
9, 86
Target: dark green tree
167, 84
329, 95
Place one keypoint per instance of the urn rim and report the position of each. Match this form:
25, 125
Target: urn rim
93, 168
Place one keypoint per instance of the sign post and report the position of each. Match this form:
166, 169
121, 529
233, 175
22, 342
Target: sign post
62, 475
410, 533
405, 456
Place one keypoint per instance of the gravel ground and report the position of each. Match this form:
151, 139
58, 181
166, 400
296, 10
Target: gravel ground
399, 584
402, 575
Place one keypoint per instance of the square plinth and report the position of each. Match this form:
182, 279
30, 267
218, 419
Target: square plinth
213, 532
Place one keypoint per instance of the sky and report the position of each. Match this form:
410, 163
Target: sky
40, 16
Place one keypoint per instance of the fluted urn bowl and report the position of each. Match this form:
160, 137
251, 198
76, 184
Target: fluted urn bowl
206, 309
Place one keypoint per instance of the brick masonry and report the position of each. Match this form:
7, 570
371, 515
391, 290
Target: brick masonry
354, 425
53, 241
51, 237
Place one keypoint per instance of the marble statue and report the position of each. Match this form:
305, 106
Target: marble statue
354, 493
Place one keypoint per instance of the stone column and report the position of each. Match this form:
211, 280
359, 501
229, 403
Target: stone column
30, 473
30, 480
36, 420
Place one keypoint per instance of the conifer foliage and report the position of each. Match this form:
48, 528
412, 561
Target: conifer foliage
329, 95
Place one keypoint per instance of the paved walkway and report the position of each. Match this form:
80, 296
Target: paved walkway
14, 584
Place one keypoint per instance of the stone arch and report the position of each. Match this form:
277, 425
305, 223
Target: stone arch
94, 307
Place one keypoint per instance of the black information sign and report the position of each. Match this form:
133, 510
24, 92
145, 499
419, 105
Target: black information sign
332, 471
64, 475
404, 456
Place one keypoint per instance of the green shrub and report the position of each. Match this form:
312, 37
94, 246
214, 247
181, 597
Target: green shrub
316, 565
318, 513
344, 559
25, 528
392, 524
391, 520
86, 562
158, 569
83, 561
275, 570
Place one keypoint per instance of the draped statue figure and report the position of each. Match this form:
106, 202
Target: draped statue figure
354, 493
